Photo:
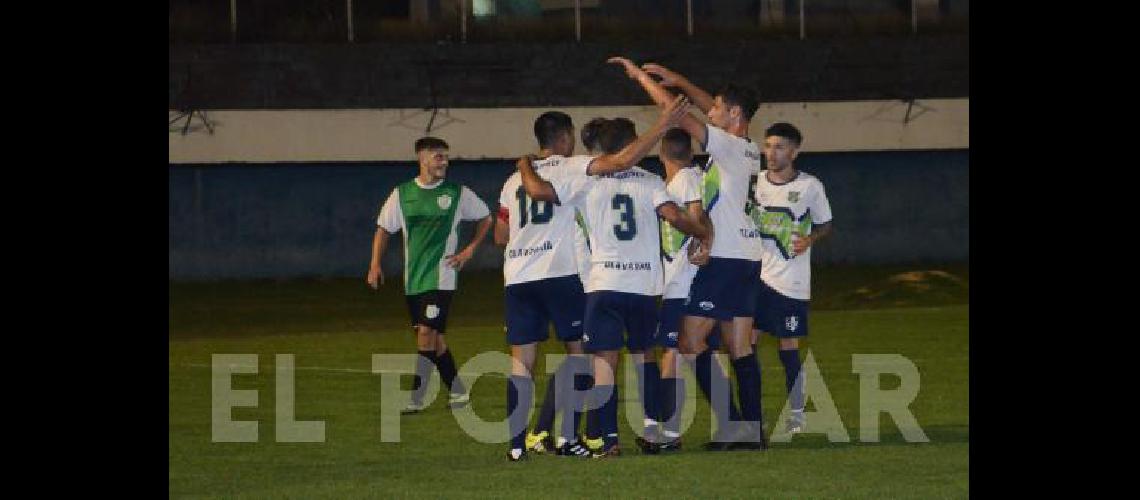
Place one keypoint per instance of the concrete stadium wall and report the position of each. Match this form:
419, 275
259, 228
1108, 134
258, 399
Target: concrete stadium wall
317, 219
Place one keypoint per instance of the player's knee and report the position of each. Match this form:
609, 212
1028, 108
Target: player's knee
789, 344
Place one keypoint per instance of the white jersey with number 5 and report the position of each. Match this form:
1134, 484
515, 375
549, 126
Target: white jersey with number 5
541, 242
725, 194
621, 214
783, 210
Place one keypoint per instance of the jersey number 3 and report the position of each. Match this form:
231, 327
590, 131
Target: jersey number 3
628, 227
540, 211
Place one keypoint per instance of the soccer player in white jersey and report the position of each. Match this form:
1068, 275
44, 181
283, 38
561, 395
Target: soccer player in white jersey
621, 210
528, 301
683, 183
540, 270
428, 210
724, 289
792, 213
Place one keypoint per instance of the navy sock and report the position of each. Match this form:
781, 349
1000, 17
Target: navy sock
748, 386
593, 429
570, 402
424, 364
582, 384
711, 372
545, 420
791, 361
607, 417
520, 394
672, 403
648, 386
446, 365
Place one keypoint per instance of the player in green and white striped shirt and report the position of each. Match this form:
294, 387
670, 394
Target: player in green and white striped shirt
428, 210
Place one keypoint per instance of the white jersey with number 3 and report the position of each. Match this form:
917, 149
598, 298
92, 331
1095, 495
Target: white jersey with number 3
621, 213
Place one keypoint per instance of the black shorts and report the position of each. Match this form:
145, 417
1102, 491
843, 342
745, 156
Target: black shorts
430, 309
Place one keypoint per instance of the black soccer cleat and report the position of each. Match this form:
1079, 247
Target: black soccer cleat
647, 447
670, 445
574, 449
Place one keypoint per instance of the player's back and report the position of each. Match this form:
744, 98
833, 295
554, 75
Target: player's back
621, 213
541, 240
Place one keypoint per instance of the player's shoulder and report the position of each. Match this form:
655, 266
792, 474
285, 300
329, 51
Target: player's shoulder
808, 179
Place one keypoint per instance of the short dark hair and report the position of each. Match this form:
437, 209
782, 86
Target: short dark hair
677, 145
551, 124
735, 95
591, 133
430, 142
787, 131
616, 134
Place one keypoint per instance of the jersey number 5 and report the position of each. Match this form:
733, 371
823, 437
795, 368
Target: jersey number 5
540, 211
628, 227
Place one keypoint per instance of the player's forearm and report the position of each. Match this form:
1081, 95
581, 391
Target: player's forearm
502, 233
379, 243
480, 233
536, 187
629, 155
697, 95
683, 221
657, 92
819, 232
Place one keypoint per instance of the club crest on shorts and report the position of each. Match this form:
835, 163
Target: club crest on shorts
585, 337
792, 322
706, 305
793, 196
672, 336
444, 201
432, 311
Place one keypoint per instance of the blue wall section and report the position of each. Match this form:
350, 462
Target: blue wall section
291, 220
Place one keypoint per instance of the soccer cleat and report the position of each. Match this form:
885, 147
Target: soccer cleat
612, 451
541, 442
670, 445
458, 400
516, 455
413, 407
594, 445
574, 449
647, 447
719, 442
795, 422
747, 439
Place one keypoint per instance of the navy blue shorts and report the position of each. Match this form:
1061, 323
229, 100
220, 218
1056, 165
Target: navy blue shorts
669, 326
430, 308
724, 289
609, 314
533, 305
779, 315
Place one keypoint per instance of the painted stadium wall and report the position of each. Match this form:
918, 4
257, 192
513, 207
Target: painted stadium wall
317, 219
266, 136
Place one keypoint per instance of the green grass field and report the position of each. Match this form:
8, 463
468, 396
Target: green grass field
333, 327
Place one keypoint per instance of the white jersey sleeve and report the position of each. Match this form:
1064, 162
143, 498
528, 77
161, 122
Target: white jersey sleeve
571, 190
819, 205
471, 207
391, 218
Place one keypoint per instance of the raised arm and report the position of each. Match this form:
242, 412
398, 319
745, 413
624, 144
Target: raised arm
670, 78
663, 97
636, 150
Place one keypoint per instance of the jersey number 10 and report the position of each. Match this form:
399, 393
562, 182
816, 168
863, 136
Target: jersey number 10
540, 211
